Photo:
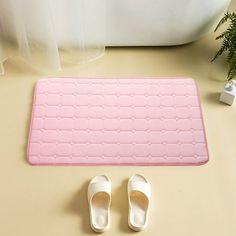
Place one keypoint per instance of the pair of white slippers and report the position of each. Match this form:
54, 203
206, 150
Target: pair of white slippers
99, 200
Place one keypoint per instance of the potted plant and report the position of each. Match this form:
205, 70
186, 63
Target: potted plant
229, 43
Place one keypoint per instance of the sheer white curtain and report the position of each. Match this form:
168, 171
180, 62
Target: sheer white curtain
50, 34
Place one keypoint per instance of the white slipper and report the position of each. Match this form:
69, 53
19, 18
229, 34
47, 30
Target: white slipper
99, 200
139, 193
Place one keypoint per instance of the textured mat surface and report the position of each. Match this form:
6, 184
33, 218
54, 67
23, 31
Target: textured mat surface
85, 121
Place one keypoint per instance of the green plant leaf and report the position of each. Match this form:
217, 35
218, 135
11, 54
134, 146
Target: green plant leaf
228, 38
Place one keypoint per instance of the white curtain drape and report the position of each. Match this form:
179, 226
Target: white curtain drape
50, 34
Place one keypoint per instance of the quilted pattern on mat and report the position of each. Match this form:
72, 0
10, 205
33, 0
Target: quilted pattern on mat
117, 121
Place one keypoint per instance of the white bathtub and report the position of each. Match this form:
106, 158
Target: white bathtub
161, 22
144, 22
115, 22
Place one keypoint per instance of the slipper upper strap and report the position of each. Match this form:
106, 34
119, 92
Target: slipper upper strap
99, 187
142, 187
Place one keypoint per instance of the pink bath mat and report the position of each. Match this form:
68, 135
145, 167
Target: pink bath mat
117, 121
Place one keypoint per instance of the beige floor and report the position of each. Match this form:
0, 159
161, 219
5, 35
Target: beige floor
51, 201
